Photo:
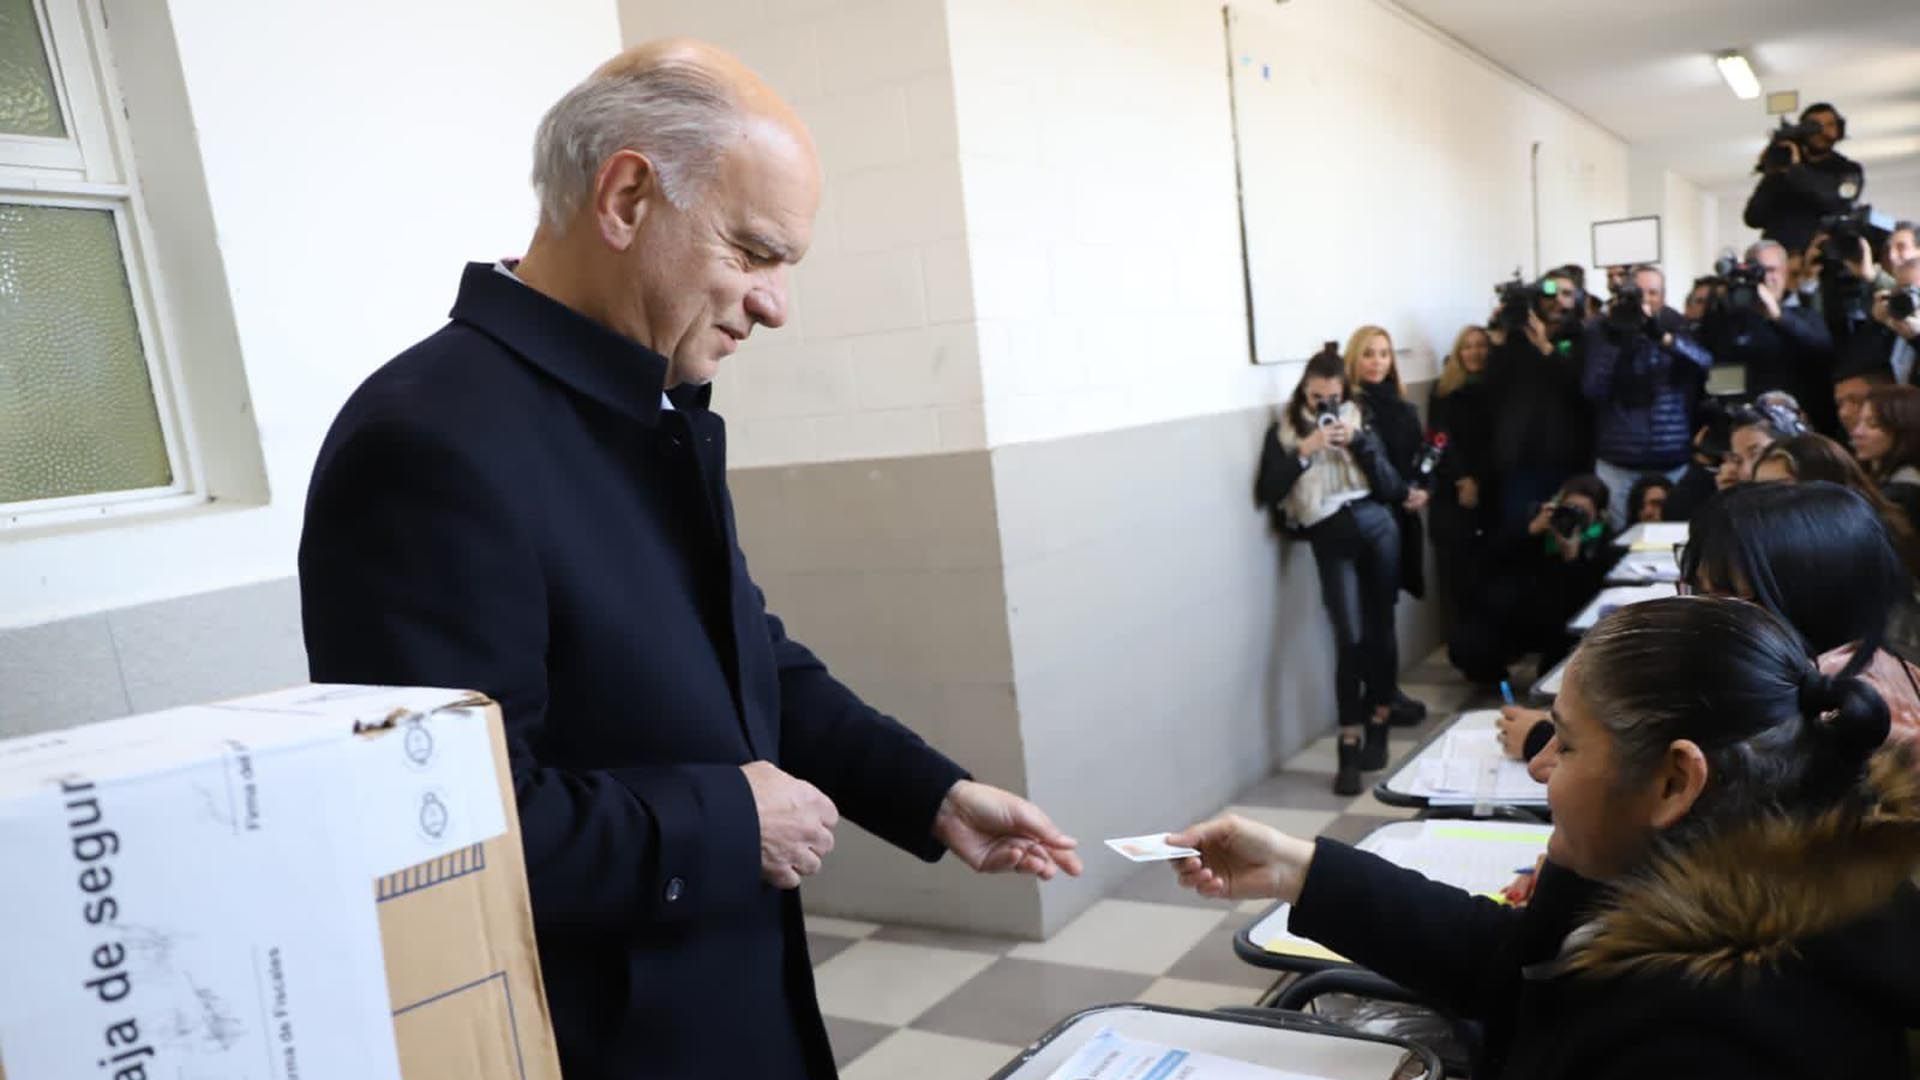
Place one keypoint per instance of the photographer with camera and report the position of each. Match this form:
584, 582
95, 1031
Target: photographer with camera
1803, 178
1764, 326
1544, 572
1890, 342
1542, 427
1331, 482
1645, 375
1700, 302
1842, 273
1713, 442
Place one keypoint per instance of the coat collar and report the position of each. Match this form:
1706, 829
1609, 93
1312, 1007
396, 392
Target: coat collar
1748, 898
586, 356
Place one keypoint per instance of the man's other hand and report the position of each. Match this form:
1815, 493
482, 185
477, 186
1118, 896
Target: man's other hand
995, 831
796, 824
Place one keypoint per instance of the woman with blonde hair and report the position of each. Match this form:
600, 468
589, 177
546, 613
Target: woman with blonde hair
1374, 374
1465, 500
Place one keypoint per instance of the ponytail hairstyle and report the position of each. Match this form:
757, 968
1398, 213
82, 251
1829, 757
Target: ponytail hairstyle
1326, 364
1779, 736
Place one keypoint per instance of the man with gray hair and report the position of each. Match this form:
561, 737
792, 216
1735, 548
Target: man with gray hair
532, 502
1783, 344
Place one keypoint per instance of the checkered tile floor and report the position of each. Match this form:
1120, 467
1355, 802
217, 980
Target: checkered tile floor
942, 1006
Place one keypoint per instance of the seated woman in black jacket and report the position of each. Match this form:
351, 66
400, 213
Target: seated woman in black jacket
1726, 889
1375, 377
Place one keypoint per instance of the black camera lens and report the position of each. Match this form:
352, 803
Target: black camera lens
1567, 521
1903, 302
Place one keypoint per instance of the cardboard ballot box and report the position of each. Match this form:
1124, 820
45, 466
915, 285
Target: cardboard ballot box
317, 883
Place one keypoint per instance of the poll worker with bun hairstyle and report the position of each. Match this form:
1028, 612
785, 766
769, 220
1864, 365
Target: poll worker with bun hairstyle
1726, 891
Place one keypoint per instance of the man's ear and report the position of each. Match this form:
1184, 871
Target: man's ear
626, 188
1678, 782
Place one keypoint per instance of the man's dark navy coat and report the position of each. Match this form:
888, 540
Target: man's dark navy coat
507, 507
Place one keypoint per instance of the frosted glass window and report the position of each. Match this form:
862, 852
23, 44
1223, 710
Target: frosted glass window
28, 104
77, 413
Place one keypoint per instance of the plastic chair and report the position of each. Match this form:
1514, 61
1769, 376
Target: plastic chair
1456, 1041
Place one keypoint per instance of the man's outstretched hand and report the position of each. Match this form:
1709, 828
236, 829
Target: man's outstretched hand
996, 832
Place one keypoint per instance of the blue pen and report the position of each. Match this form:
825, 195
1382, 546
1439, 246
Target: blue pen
1506, 691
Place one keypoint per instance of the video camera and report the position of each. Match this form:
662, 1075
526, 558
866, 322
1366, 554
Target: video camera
1520, 298
1625, 311
1568, 521
1843, 292
1903, 302
1743, 282
1778, 154
1846, 228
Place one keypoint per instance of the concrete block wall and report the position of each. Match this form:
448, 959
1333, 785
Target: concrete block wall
881, 358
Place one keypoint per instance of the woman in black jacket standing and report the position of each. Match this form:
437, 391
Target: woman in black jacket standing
1465, 493
1726, 891
1375, 377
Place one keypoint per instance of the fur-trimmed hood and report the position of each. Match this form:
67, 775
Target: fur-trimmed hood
1829, 891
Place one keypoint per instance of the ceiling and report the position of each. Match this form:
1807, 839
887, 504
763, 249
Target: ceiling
1644, 69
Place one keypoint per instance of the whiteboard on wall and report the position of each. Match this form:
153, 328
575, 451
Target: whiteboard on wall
1627, 241
1389, 177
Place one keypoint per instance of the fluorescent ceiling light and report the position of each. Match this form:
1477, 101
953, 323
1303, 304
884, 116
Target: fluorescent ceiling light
1739, 75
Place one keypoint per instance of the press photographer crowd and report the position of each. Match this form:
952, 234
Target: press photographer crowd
1575, 413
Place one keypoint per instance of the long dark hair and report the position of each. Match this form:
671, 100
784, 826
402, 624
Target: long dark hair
1731, 677
1896, 410
1326, 364
1817, 555
1642, 487
1814, 457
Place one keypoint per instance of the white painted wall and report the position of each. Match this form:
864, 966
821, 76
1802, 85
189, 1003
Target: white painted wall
879, 358
355, 154
1687, 227
1098, 166
1096, 148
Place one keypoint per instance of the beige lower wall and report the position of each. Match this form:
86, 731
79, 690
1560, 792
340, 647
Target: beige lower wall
1103, 622
890, 571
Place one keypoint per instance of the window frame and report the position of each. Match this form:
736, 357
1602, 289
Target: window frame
91, 169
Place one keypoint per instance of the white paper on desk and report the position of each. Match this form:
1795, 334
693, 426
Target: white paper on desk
1110, 1056
1466, 765
1654, 535
1481, 857
1619, 596
1640, 567
1550, 682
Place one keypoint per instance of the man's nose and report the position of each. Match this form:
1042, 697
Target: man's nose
767, 300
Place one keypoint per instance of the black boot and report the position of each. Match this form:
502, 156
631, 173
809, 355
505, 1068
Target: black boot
1373, 753
1404, 711
1347, 780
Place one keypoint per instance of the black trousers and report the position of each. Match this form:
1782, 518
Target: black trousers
1358, 554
